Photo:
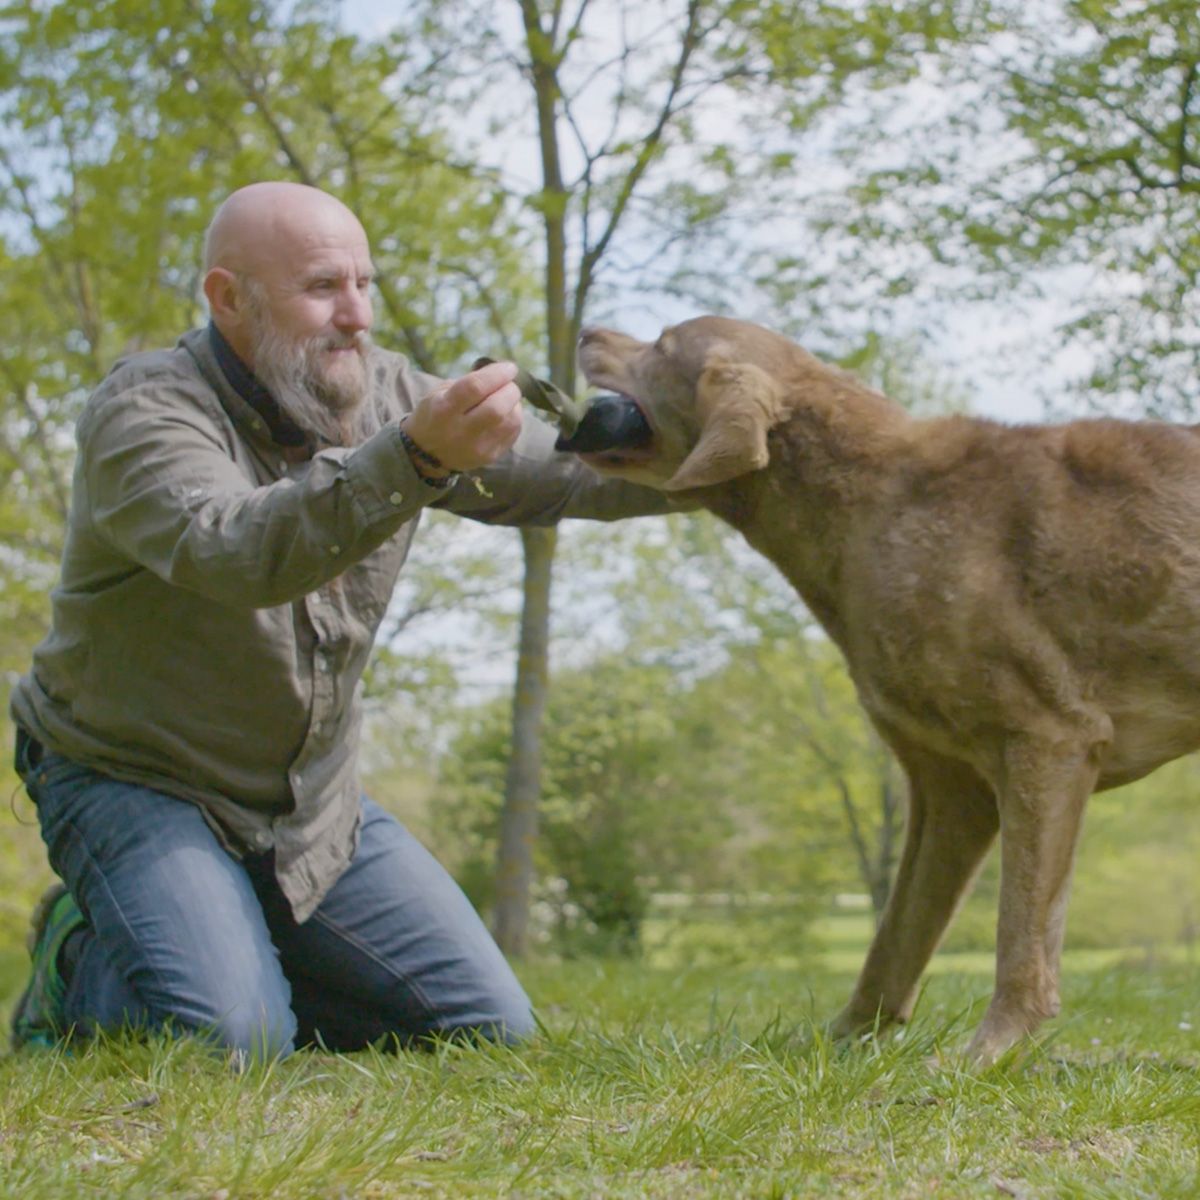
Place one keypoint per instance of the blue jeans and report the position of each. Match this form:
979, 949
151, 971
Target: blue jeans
183, 935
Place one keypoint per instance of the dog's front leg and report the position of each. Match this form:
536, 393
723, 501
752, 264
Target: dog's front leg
952, 820
1041, 810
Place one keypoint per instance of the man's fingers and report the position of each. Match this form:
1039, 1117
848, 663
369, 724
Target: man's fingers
470, 390
498, 404
495, 423
470, 421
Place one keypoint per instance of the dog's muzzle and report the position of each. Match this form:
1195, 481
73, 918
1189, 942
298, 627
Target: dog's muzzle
610, 423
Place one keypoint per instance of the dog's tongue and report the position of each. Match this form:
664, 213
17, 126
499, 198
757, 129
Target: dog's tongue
611, 423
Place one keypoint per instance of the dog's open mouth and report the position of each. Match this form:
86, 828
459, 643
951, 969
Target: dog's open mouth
614, 432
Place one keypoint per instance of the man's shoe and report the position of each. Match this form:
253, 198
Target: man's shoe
37, 1019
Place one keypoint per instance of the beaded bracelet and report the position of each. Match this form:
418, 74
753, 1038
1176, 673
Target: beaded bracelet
418, 456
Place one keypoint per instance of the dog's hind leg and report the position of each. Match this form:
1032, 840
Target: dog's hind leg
952, 820
1041, 804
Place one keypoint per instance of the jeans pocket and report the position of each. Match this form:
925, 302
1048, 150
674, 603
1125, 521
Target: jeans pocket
56, 785
53, 770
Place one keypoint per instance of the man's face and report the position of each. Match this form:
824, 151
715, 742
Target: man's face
287, 275
308, 343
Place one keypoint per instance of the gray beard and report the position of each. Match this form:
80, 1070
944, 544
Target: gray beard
334, 408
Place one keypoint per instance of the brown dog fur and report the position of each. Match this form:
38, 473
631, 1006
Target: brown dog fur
1019, 608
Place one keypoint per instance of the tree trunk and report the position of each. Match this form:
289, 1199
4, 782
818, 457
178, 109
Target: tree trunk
522, 793
519, 817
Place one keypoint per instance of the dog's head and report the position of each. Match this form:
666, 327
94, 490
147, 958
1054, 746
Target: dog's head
690, 410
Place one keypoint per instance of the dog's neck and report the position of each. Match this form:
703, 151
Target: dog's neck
836, 424
830, 458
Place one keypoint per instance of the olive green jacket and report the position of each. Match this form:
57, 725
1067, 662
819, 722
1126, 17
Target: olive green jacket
217, 604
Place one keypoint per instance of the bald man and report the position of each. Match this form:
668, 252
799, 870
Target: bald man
243, 504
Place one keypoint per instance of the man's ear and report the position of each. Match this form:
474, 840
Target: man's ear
224, 295
737, 403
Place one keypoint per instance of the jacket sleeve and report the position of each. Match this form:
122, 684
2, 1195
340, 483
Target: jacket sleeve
534, 484
161, 485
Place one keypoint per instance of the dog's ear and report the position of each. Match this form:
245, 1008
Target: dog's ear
737, 404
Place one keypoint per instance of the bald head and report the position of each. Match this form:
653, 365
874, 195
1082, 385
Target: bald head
259, 224
290, 259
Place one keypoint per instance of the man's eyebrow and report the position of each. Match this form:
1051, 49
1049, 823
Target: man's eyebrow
315, 274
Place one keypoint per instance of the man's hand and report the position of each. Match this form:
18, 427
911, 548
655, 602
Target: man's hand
470, 421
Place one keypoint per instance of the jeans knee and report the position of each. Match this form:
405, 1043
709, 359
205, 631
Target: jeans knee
516, 1027
505, 1017
259, 1035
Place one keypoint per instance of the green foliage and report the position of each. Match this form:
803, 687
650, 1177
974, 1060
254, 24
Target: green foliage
1111, 113
735, 928
836, 43
616, 820
1063, 144
779, 738
143, 120
1136, 882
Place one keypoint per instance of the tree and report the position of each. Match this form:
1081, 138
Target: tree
643, 791
1058, 161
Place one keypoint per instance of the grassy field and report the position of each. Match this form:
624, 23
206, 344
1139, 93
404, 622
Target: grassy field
646, 1081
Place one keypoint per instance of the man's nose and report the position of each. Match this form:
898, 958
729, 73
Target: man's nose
353, 313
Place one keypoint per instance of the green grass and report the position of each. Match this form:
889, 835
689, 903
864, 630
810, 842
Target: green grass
714, 1082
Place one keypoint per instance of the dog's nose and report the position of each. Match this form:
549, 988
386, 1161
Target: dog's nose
611, 423
587, 334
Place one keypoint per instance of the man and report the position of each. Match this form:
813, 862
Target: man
242, 506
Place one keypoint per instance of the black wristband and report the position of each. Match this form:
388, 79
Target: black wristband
418, 456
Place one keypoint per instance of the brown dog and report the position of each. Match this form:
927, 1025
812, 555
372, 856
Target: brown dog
1019, 608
